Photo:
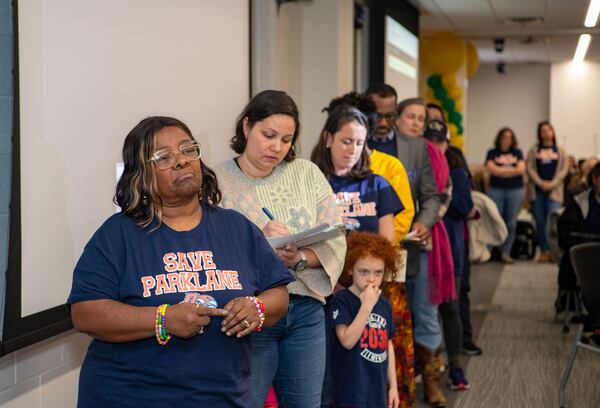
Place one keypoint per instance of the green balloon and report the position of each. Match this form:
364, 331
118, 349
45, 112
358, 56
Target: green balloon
460, 129
455, 117
448, 105
440, 93
434, 81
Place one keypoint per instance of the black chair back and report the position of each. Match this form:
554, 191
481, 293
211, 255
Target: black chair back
586, 262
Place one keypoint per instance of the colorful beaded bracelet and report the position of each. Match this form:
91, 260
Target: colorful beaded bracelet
260, 307
160, 325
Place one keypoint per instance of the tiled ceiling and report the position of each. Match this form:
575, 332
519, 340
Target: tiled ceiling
553, 38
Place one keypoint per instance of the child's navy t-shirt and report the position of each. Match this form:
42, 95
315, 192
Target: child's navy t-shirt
508, 158
224, 257
363, 201
359, 375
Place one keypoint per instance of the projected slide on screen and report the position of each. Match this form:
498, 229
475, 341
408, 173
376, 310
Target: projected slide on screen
88, 73
401, 59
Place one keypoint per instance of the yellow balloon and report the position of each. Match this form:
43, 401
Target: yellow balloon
458, 105
455, 93
458, 141
443, 53
448, 80
472, 60
453, 129
430, 95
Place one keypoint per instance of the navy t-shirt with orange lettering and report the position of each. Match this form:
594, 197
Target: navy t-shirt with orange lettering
360, 374
224, 257
363, 201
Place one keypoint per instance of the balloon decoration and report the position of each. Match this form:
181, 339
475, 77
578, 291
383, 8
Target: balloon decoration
472, 60
442, 56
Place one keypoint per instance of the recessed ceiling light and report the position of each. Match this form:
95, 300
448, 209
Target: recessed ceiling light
582, 47
592, 14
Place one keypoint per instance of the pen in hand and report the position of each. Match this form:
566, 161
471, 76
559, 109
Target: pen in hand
268, 213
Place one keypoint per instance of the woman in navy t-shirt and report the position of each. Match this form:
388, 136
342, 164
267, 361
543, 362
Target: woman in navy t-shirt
168, 287
547, 166
367, 202
506, 167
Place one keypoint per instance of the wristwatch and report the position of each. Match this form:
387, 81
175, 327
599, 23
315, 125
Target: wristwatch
302, 263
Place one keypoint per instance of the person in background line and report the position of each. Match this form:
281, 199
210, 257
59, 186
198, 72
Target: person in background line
435, 111
423, 281
367, 202
458, 210
506, 167
167, 295
395, 292
547, 166
363, 353
267, 174
579, 223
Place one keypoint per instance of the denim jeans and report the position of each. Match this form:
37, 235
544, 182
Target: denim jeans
542, 207
291, 356
425, 314
508, 201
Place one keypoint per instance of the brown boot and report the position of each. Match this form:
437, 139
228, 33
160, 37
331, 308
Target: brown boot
430, 369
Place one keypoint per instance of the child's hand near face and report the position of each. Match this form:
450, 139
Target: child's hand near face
370, 296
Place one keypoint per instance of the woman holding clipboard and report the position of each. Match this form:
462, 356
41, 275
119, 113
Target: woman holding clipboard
267, 174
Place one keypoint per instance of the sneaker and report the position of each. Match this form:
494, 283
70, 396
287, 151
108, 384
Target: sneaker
544, 257
457, 380
471, 349
507, 259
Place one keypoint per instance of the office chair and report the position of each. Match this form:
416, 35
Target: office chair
586, 263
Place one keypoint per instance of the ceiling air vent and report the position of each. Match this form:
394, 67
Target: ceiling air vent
524, 20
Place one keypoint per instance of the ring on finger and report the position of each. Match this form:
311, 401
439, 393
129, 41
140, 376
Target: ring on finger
246, 323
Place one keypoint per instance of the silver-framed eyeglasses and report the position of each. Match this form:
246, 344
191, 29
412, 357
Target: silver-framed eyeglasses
165, 159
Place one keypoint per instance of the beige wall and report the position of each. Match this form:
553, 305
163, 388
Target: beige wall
518, 99
305, 49
574, 102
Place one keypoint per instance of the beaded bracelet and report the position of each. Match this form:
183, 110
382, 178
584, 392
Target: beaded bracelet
160, 325
260, 306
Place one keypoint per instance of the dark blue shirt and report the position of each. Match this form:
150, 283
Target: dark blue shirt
362, 202
360, 374
386, 145
455, 217
224, 257
509, 158
546, 161
592, 221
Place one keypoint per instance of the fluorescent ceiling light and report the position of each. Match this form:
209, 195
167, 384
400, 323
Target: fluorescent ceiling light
592, 14
582, 47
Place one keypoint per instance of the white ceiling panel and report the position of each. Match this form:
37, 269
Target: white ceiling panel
518, 8
483, 20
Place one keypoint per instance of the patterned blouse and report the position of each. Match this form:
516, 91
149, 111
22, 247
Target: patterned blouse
298, 195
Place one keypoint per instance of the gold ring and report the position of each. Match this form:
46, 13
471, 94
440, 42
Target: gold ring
246, 323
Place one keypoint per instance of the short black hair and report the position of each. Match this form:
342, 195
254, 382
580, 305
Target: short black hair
263, 105
382, 90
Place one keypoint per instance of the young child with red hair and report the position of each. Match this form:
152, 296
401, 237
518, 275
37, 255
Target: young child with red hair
362, 354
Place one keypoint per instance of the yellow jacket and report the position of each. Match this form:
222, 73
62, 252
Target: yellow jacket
393, 171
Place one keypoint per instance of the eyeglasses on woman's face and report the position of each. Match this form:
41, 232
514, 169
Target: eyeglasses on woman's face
166, 158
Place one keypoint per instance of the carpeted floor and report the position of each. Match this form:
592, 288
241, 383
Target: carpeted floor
524, 350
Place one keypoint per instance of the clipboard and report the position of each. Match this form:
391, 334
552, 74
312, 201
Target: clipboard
308, 237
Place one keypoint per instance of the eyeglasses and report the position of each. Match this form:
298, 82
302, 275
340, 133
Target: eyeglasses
387, 116
165, 159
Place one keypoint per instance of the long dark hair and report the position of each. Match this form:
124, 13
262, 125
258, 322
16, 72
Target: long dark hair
513, 144
136, 192
539, 132
263, 105
321, 154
